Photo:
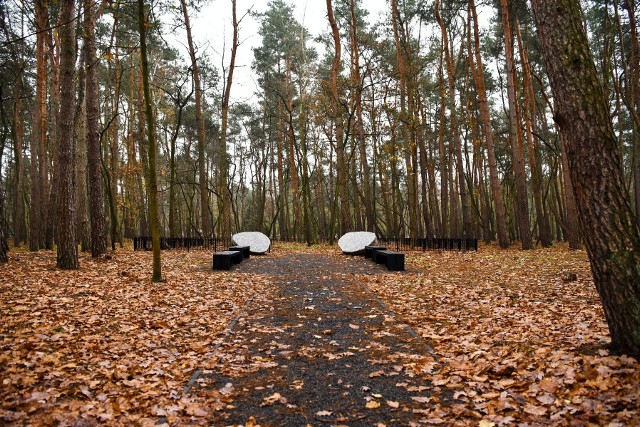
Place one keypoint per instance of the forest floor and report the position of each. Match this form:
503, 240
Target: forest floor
503, 337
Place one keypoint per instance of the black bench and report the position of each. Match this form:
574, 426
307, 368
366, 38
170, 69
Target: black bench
246, 250
393, 260
223, 260
369, 250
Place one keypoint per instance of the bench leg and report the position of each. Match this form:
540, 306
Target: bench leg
221, 262
395, 262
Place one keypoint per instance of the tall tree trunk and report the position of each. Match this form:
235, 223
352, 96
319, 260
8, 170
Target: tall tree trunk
18, 214
39, 132
18, 138
48, 208
4, 247
281, 205
293, 171
202, 137
375, 159
425, 193
571, 222
173, 229
309, 230
612, 237
143, 149
225, 221
485, 117
442, 153
96, 189
151, 136
632, 99
82, 217
433, 192
406, 125
362, 143
67, 248
336, 115
83, 230
453, 126
517, 143
114, 175
535, 160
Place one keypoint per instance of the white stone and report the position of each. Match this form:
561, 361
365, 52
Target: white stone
258, 242
355, 241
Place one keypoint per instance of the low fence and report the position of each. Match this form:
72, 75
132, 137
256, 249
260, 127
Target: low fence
145, 243
431, 243
214, 243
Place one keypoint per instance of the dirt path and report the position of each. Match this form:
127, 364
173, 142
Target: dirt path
322, 350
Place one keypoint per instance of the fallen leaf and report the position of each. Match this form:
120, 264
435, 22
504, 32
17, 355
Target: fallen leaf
270, 400
549, 385
535, 410
546, 399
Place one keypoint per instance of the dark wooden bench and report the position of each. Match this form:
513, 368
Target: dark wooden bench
223, 260
368, 250
246, 250
393, 260
374, 255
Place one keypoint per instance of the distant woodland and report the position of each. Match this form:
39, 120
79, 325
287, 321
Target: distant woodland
418, 124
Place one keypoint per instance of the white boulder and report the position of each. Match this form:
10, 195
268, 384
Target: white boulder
258, 242
355, 241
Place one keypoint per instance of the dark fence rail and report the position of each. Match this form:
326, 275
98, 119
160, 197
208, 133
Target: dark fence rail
145, 243
423, 243
430, 243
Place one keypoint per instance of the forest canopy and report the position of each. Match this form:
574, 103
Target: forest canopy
427, 123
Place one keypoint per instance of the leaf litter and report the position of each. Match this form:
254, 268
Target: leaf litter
520, 338
105, 344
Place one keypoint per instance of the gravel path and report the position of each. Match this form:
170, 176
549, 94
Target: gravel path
322, 350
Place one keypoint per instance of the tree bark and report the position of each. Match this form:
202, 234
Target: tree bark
4, 247
406, 125
485, 117
225, 221
442, 154
362, 142
39, 132
67, 248
143, 149
19, 224
201, 133
633, 99
94, 165
114, 169
571, 222
612, 238
535, 160
341, 167
453, 126
18, 138
151, 136
517, 143
48, 207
